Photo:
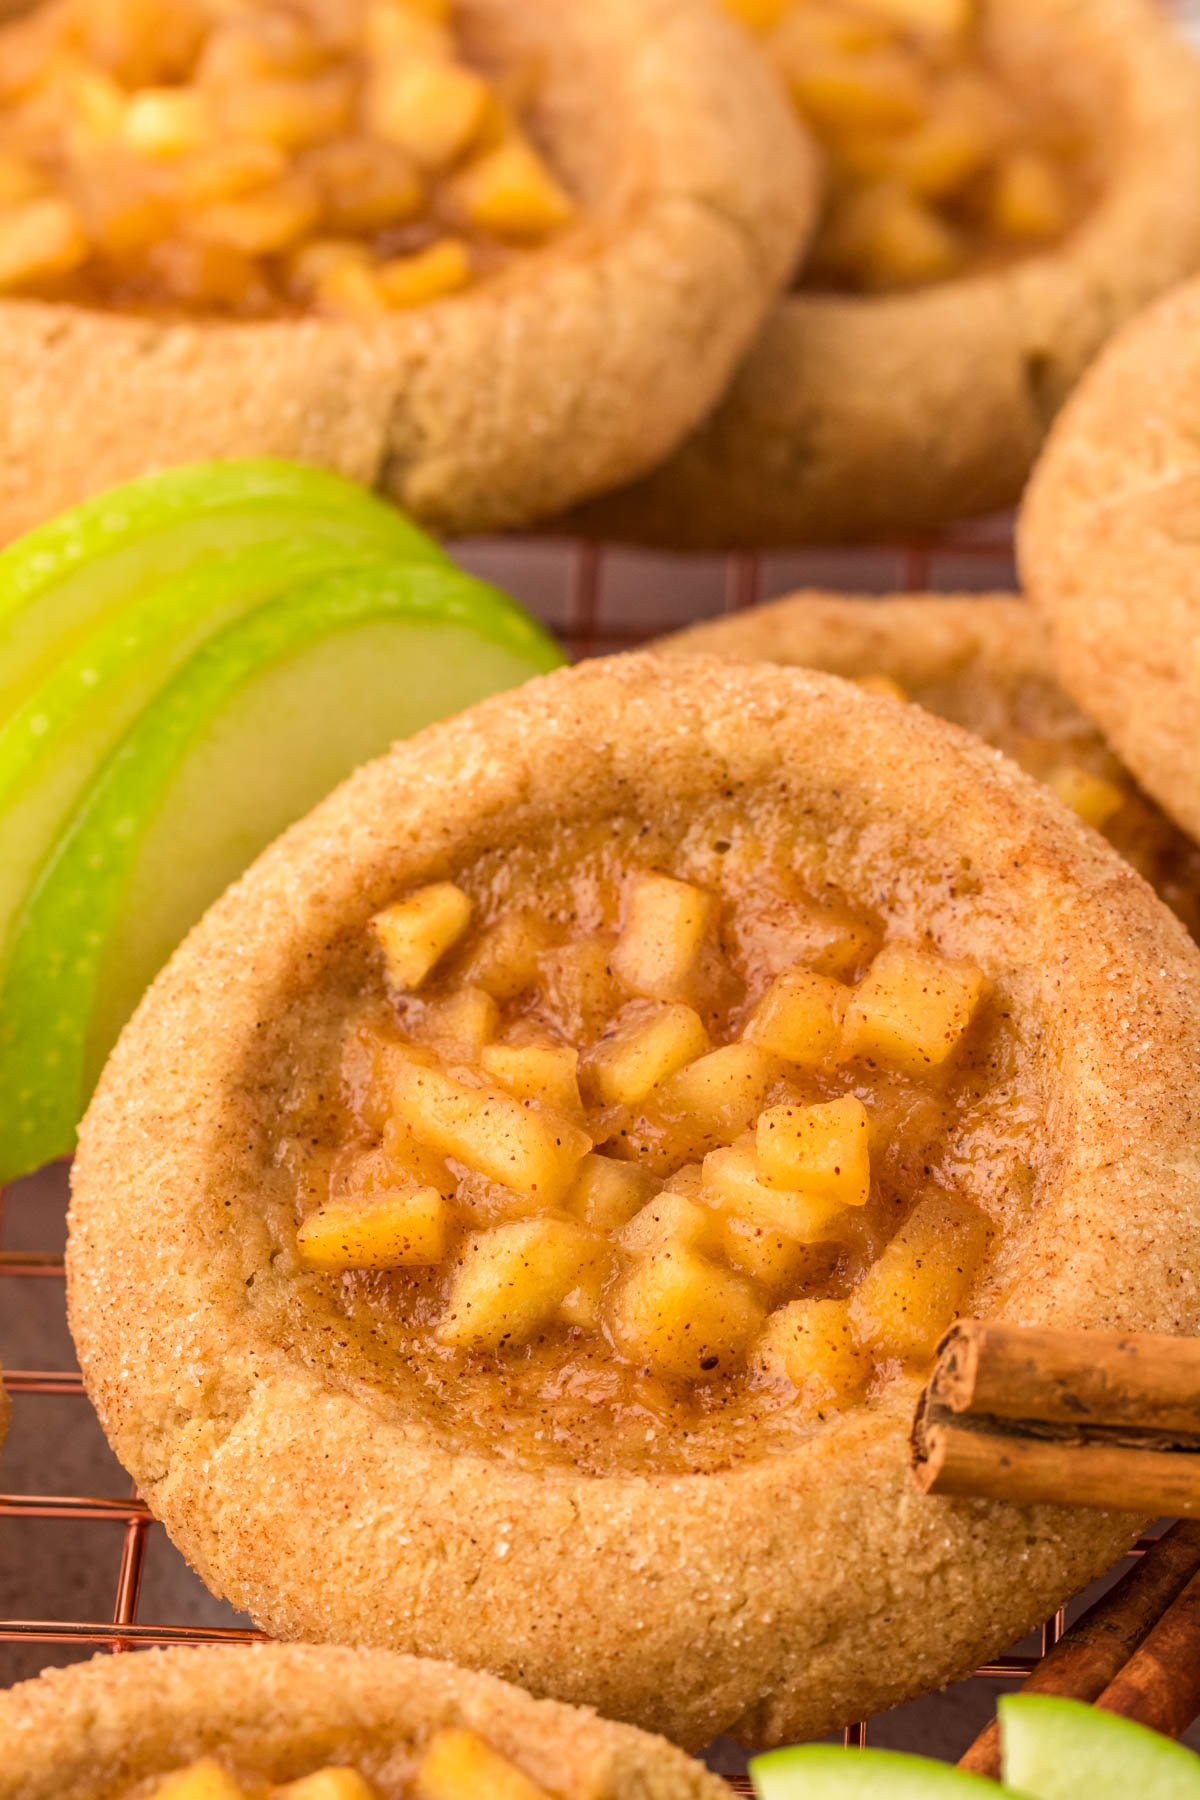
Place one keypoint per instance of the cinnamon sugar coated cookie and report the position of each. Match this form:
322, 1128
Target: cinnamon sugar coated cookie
614, 1093
1108, 536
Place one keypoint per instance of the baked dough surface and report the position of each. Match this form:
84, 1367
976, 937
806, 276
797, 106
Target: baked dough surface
95, 1731
855, 418
984, 661
492, 408
776, 1598
1108, 542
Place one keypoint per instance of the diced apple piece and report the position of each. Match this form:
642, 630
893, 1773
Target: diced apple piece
683, 1316
458, 1765
365, 187
882, 685
510, 191
203, 1780
779, 1264
914, 1291
669, 1221
396, 1231
607, 1193
823, 1150
39, 240
460, 1024
912, 1009
688, 1180
581, 991
647, 1043
428, 275
520, 1147
166, 122
811, 1343
416, 932
327, 1784
841, 942
1029, 199
944, 154
504, 959
511, 1281
427, 107
732, 1185
896, 241
548, 1073
398, 1163
721, 1092
948, 17
879, 90
799, 1018
665, 926
1094, 799
393, 29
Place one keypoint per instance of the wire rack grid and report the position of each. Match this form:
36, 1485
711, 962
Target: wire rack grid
597, 600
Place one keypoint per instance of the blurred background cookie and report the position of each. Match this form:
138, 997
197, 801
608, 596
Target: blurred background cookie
1006, 181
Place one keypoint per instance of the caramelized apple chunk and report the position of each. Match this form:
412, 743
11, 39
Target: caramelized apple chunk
721, 1092
334, 1783
912, 1009
206, 1779
510, 1282
646, 1044
520, 1147
396, 1231
811, 1344
415, 933
823, 1150
732, 1184
665, 926
608, 1193
914, 1292
545, 1072
684, 1316
459, 1765
799, 1018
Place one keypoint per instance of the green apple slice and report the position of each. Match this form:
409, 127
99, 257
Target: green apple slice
1060, 1749
60, 580
827, 1772
53, 743
264, 719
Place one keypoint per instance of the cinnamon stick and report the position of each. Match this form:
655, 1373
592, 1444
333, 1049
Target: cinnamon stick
1087, 1659
1160, 1684
1076, 1418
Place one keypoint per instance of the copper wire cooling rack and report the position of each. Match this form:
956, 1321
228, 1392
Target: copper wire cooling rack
596, 599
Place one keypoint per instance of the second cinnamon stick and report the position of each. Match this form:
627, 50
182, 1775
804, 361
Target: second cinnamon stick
1071, 1418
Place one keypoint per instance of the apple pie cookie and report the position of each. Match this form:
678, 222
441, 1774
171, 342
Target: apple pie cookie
985, 662
300, 1723
1108, 540
1007, 181
433, 244
518, 1222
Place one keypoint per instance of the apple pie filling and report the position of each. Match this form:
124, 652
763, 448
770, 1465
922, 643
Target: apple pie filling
294, 156
454, 1764
945, 155
656, 1154
1072, 759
